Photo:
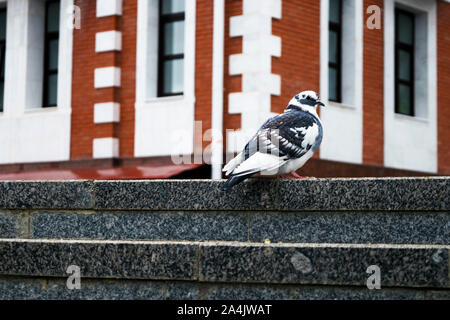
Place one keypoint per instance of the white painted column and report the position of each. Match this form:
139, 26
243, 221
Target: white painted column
217, 89
255, 66
107, 77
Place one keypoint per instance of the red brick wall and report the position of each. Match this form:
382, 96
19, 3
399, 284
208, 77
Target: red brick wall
84, 95
231, 83
443, 65
128, 80
299, 64
203, 68
373, 104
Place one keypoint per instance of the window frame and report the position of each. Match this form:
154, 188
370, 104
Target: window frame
48, 37
3, 60
410, 48
163, 19
336, 27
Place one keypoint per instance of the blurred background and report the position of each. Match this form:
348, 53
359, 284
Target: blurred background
131, 89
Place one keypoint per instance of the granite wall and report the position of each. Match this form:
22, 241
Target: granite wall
265, 239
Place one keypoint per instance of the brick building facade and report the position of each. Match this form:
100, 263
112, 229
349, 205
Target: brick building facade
139, 81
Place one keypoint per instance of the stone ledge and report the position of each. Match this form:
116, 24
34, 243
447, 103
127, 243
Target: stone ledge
408, 194
38, 288
395, 227
232, 262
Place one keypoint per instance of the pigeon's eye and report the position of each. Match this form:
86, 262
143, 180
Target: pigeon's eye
309, 98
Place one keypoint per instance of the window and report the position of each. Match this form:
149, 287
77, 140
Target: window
171, 48
2, 55
334, 50
51, 53
404, 62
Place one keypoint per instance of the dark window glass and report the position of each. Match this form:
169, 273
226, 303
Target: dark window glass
2, 55
172, 6
332, 83
171, 48
174, 38
404, 62
334, 50
51, 53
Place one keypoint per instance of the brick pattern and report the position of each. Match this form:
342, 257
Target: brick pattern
84, 95
233, 45
299, 64
125, 132
373, 103
203, 69
443, 66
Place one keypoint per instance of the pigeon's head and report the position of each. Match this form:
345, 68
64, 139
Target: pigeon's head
307, 99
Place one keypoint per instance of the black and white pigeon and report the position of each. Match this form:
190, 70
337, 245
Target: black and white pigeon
283, 143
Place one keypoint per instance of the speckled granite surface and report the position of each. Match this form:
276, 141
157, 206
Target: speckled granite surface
133, 260
13, 287
402, 266
189, 240
412, 266
46, 194
418, 227
430, 193
154, 225
9, 225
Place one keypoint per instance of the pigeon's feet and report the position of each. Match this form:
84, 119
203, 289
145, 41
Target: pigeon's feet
295, 175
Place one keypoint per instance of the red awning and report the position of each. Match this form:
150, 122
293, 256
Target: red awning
121, 173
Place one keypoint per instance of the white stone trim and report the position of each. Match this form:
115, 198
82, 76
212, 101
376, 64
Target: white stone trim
107, 77
217, 90
108, 41
163, 126
28, 132
109, 8
105, 148
411, 142
255, 66
106, 112
343, 123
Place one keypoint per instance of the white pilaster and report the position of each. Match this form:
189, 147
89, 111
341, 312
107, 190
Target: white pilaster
108, 41
107, 77
106, 112
255, 66
105, 148
109, 8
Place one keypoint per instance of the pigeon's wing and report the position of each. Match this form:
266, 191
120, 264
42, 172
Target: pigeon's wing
256, 163
289, 136
233, 163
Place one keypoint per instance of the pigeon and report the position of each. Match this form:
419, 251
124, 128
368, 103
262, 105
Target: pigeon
283, 144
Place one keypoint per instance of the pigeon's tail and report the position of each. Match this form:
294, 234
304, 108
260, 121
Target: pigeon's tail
234, 180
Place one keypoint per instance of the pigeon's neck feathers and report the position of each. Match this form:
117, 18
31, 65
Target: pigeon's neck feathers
295, 105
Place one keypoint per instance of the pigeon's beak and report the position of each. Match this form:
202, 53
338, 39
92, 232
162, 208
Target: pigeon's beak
320, 103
